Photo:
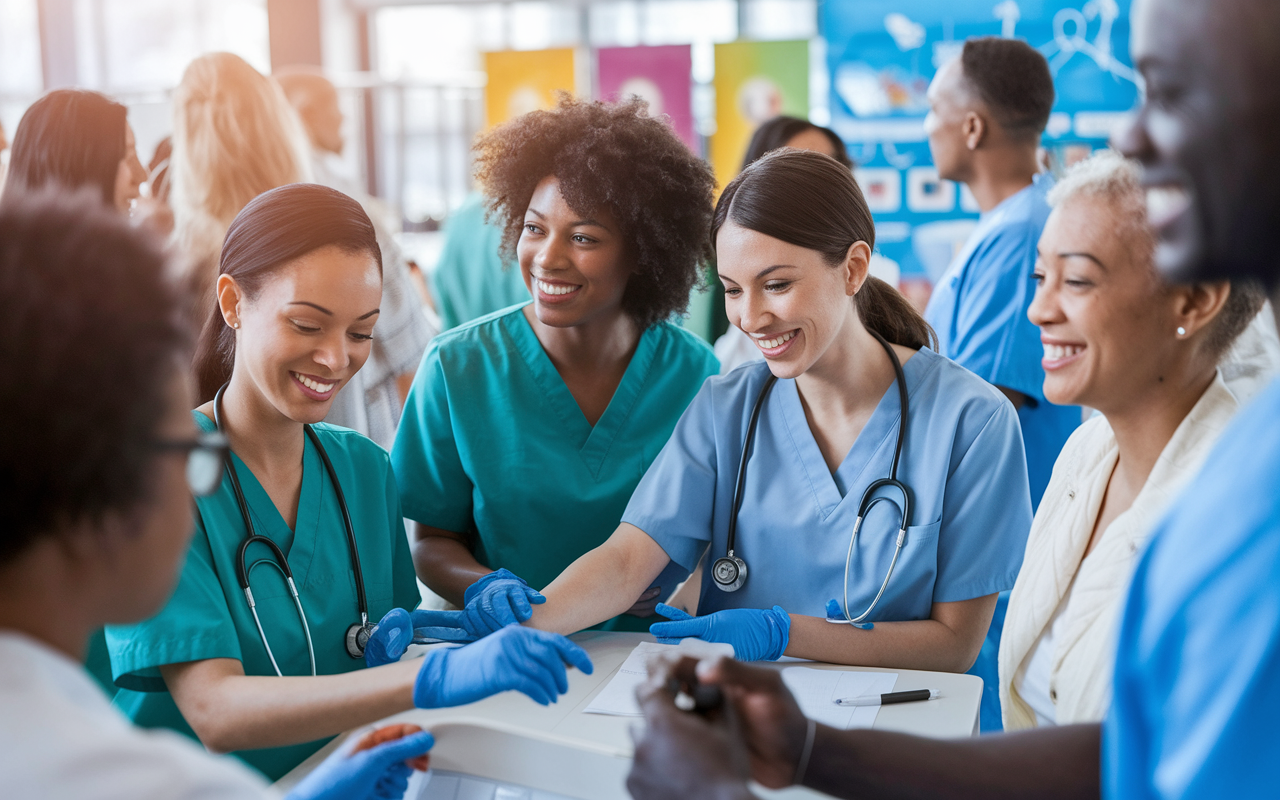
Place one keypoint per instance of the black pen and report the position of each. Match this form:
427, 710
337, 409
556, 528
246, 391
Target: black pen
891, 697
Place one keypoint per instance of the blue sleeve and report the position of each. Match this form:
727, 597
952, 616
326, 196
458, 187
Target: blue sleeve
434, 487
675, 499
994, 338
194, 625
986, 512
1196, 695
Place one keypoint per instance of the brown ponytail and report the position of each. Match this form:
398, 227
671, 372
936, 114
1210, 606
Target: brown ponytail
275, 228
810, 200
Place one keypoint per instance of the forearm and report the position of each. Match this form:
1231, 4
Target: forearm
602, 583
231, 711
1048, 764
444, 563
925, 644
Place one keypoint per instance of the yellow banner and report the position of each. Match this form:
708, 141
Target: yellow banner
755, 82
521, 81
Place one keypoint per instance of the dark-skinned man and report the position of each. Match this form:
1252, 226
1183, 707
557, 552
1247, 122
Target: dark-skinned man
1195, 689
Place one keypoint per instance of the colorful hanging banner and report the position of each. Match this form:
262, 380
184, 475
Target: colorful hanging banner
755, 82
521, 81
663, 76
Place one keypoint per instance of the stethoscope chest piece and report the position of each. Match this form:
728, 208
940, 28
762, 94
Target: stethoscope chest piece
358, 638
729, 572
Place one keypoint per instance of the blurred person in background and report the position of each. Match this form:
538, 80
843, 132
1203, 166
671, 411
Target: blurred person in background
1145, 353
372, 402
98, 513
72, 138
987, 109
234, 137
471, 279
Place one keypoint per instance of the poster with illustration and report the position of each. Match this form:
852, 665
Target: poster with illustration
882, 54
521, 81
755, 82
661, 76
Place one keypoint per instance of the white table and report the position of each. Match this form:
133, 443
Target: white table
559, 749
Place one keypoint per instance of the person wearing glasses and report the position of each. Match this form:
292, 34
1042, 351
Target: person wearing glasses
97, 514
301, 547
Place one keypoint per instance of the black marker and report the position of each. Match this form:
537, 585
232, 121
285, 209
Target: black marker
891, 697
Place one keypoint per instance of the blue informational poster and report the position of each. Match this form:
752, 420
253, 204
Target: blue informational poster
882, 55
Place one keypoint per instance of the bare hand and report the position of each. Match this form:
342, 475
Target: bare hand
684, 754
771, 720
648, 601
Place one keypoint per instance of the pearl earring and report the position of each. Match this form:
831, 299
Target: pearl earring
1182, 331
236, 326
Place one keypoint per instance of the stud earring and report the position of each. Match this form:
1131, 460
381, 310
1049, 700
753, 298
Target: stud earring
1182, 331
236, 326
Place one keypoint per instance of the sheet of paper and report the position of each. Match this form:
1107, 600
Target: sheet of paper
618, 697
816, 691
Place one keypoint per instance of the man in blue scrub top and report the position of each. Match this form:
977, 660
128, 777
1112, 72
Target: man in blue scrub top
987, 110
1196, 695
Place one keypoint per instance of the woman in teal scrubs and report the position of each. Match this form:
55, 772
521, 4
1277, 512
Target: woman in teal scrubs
794, 239
527, 430
297, 301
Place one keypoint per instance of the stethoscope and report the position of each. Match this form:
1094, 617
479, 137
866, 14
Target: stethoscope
357, 635
730, 571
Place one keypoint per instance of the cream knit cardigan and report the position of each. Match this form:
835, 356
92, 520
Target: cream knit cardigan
1080, 682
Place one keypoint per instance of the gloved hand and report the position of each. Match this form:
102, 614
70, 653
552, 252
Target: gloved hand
519, 658
393, 635
757, 634
497, 600
376, 774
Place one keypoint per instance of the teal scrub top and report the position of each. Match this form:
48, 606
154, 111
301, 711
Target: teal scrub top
471, 279
492, 443
207, 617
1195, 689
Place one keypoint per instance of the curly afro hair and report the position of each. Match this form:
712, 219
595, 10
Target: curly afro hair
610, 156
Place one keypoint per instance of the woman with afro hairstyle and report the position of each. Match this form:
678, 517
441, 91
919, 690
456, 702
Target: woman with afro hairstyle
526, 430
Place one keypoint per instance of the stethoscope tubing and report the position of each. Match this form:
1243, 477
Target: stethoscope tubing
279, 560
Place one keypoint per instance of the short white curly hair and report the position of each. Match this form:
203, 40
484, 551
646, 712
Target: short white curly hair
1110, 178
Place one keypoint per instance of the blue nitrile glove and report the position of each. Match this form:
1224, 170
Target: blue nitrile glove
399, 628
757, 634
519, 658
835, 613
378, 773
497, 600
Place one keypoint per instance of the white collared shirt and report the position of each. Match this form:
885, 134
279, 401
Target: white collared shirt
61, 738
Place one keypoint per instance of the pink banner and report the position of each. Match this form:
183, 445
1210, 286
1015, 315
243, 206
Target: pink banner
660, 75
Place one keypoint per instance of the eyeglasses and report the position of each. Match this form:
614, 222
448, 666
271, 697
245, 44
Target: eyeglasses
206, 454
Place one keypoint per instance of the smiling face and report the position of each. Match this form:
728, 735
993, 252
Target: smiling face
1208, 135
307, 331
786, 298
1106, 319
574, 264
129, 174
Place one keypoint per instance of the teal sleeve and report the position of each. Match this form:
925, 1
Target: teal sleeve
434, 487
194, 625
404, 580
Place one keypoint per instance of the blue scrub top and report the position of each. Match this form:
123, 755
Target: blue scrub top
1197, 678
962, 462
208, 617
979, 311
492, 443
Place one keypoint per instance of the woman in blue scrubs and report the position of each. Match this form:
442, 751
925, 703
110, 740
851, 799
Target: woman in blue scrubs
793, 238
527, 430
297, 300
